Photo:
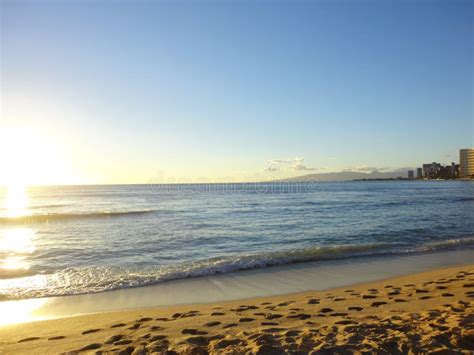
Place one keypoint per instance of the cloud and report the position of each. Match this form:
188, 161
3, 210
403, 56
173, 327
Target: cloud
371, 169
295, 164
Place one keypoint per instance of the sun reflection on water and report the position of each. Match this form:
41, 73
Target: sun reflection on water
17, 243
17, 240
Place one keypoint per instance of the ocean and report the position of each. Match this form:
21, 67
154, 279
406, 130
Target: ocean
84, 239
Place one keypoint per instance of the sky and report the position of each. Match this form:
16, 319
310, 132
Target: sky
191, 91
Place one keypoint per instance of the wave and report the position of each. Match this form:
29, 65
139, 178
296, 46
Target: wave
464, 199
447, 244
66, 216
100, 279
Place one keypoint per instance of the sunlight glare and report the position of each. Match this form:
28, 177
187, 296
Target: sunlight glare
20, 311
17, 240
16, 202
30, 157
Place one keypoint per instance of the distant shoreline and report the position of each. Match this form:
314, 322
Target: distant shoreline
407, 179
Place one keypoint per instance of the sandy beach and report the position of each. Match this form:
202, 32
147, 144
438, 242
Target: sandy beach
418, 313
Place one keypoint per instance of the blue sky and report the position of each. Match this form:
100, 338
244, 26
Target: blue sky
219, 89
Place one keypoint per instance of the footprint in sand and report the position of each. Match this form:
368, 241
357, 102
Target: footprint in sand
190, 314
245, 320
447, 294
90, 331
211, 324
162, 319
28, 339
346, 322
92, 346
224, 343
388, 286
114, 338
273, 316
192, 331
419, 290
301, 316
158, 337
135, 326
326, 310
468, 285
348, 291
154, 328
123, 342
200, 341
270, 307
313, 301
393, 293
273, 330
338, 314
378, 304
425, 297
230, 325
118, 325
338, 299
57, 337
243, 308
269, 323
400, 300
355, 308
368, 297
441, 287
144, 319
215, 314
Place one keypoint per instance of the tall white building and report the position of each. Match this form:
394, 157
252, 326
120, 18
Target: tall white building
466, 163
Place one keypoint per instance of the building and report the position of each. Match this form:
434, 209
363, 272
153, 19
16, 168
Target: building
454, 170
419, 173
466, 163
449, 171
431, 170
411, 174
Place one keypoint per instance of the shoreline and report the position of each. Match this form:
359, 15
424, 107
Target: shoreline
234, 286
428, 311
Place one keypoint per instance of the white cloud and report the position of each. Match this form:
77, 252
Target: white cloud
295, 164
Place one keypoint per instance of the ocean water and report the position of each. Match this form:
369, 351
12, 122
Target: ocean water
84, 239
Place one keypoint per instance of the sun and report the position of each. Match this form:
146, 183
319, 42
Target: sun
30, 157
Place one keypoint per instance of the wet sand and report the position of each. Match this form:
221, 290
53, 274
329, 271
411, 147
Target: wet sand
425, 312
